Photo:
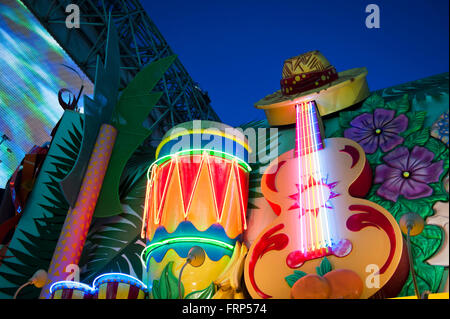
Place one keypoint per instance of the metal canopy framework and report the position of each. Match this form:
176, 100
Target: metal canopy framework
140, 43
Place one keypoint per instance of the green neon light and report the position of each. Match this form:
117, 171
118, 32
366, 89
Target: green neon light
153, 246
225, 155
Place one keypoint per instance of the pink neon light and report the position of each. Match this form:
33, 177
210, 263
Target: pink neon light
314, 234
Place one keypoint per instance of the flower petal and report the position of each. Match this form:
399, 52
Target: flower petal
397, 125
363, 121
428, 174
420, 157
398, 158
369, 144
382, 116
388, 193
412, 189
357, 134
388, 141
384, 172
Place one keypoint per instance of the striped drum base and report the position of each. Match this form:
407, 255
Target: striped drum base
119, 290
107, 286
119, 286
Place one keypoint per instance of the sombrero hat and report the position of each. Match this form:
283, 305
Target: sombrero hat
308, 77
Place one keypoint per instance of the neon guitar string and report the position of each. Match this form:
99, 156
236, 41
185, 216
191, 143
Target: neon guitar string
313, 168
312, 192
310, 144
303, 238
324, 213
306, 151
303, 173
320, 195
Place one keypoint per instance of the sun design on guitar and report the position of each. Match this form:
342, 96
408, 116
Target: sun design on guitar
314, 186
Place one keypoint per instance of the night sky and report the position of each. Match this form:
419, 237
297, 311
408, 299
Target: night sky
235, 49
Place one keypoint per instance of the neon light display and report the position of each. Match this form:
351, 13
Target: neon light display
146, 253
166, 158
164, 147
215, 184
33, 70
314, 230
195, 196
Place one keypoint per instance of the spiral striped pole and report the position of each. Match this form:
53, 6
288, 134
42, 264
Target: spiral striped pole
73, 235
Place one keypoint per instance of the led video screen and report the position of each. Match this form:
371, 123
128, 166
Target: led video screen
33, 68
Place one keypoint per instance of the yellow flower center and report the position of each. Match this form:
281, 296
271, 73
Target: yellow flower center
378, 131
406, 174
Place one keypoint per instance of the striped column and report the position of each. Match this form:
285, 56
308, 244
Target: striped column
73, 235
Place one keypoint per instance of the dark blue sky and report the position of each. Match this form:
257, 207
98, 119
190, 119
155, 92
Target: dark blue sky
235, 49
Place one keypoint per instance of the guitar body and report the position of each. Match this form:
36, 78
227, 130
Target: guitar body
362, 235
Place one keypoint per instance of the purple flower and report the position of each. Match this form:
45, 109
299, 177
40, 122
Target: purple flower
407, 173
375, 129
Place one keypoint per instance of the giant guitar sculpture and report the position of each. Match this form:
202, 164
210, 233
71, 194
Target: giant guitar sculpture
313, 188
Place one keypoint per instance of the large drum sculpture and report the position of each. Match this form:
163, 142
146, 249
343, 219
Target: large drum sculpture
196, 196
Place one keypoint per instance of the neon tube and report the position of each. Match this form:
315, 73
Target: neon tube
312, 170
84, 287
206, 132
318, 177
325, 217
130, 279
75, 285
200, 151
300, 172
147, 251
305, 134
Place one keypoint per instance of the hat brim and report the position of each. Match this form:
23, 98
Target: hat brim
350, 88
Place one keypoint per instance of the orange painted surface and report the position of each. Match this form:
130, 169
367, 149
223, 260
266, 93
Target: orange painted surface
76, 226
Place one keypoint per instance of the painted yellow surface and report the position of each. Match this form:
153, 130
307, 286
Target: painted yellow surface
193, 278
442, 295
349, 89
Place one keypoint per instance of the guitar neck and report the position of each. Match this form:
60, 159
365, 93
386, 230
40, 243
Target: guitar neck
308, 137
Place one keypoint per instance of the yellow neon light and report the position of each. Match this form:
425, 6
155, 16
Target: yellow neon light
202, 131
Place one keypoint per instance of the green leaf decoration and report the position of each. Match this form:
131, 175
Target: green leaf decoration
324, 267
373, 102
206, 293
133, 107
423, 247
167, 285
37, 233
401, 105
418, 138
415, 122
292, 279
435, 86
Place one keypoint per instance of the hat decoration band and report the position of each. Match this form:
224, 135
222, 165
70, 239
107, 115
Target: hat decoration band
308, 81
